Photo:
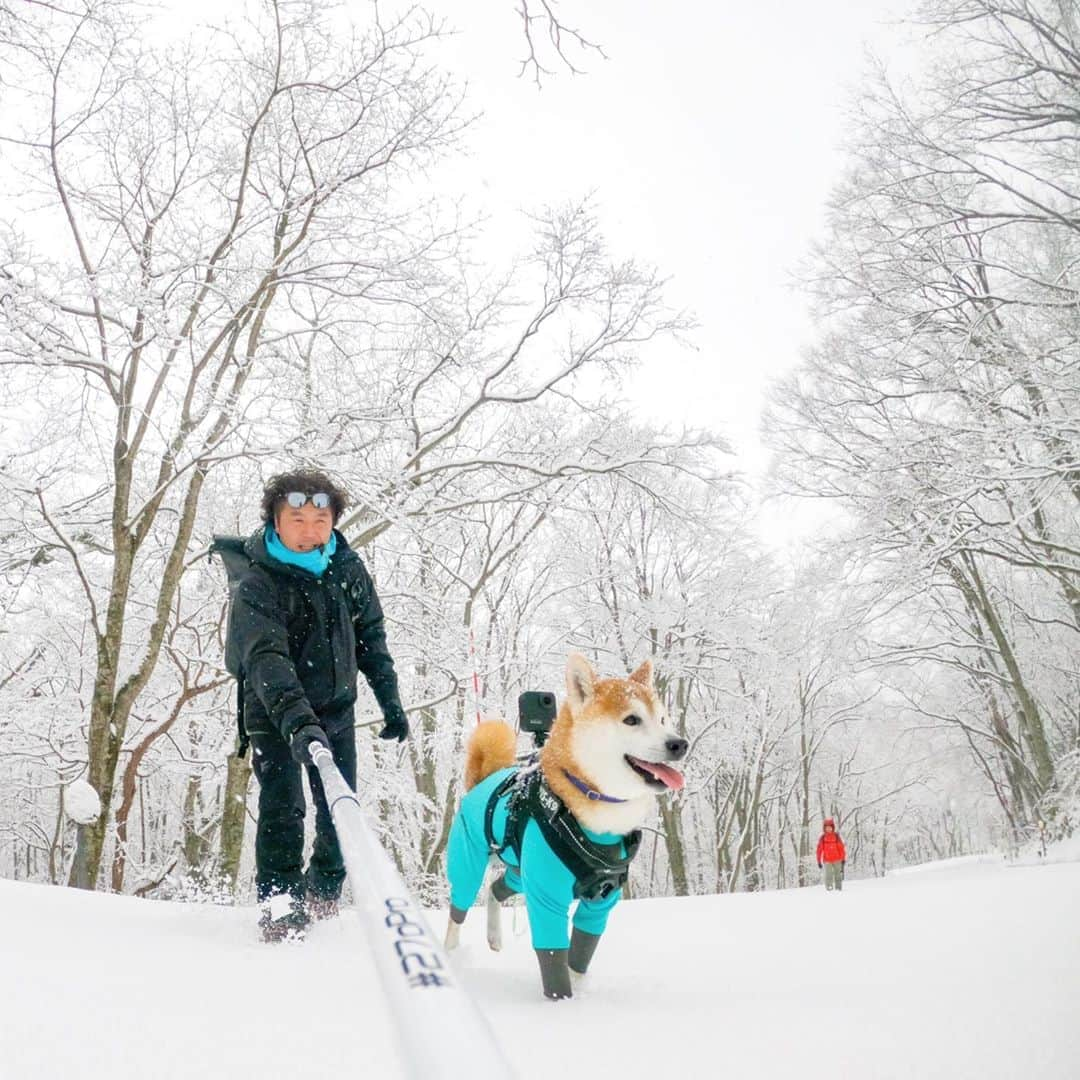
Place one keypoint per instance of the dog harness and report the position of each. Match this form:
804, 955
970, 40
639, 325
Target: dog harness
598, 869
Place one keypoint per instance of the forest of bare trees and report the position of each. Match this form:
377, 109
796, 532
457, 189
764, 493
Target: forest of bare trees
223, 260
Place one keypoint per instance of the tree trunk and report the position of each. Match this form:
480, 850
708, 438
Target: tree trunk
1030, 718
196, 845
233, 816
669, 817
111, 707
804, 792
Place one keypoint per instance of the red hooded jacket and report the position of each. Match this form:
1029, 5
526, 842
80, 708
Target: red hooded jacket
830, 848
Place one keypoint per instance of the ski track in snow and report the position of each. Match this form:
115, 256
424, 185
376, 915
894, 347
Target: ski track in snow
970, 971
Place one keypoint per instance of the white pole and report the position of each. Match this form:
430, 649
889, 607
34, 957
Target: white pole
441, 1032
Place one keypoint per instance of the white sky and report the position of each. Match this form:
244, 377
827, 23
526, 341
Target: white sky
709, 139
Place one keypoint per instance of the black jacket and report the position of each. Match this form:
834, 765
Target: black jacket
301, 640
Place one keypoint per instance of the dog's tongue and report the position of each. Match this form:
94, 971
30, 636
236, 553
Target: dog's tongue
664, 773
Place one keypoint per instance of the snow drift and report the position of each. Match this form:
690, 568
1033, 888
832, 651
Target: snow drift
971, 971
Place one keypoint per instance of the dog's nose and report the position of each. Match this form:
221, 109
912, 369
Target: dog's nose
676, 748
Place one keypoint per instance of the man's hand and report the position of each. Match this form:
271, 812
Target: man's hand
395, 724
303, 738
819, 866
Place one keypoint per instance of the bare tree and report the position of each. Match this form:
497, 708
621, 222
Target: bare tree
544, 27
942, 405
196, 192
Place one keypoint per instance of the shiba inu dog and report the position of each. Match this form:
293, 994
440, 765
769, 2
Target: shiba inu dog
567, 827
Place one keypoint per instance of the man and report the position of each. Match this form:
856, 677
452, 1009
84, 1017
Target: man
305, 620
831, 852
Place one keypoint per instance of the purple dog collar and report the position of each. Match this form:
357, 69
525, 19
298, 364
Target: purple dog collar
595, 796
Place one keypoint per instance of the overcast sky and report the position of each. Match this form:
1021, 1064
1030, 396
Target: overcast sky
710, 139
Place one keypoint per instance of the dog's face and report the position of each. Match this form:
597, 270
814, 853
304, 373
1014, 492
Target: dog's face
621, 736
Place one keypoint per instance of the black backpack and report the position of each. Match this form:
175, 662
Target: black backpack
230, 549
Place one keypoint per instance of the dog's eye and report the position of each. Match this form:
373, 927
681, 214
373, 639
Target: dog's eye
632, 720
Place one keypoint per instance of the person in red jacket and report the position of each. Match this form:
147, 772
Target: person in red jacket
830, 851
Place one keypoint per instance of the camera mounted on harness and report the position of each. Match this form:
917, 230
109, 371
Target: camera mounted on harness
536, 714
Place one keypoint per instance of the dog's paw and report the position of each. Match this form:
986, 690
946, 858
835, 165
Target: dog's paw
554, 974
453, 935
494, 924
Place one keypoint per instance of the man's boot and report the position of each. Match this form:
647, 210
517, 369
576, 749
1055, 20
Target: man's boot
283, 918
322, 907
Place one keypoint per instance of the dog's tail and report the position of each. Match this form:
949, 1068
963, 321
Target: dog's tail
492, 746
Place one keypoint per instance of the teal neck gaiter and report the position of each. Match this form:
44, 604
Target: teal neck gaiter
314, 562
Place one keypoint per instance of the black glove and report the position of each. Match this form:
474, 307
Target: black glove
303, 738
395, 724
819, 866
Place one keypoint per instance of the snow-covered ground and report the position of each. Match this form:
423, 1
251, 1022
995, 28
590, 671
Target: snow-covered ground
970, 971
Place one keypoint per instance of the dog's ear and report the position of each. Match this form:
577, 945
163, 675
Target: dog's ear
643, 675
580, 679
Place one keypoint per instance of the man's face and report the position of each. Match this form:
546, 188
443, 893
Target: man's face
304, 528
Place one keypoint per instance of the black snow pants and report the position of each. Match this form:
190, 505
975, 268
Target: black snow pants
279, 835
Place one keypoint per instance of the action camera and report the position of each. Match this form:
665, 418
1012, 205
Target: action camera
536, 714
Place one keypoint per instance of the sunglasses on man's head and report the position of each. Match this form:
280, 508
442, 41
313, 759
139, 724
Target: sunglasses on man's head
296, 499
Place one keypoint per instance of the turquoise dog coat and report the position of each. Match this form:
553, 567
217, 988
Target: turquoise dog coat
548, 885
